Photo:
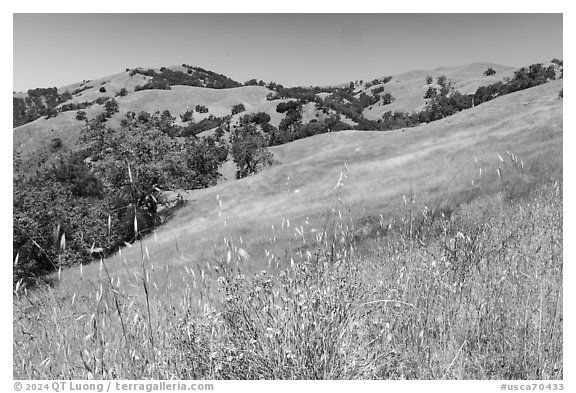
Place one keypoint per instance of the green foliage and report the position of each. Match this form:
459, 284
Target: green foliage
203, 157
377, 90
122, 92
431, 92
156, 160
111, 107
249, 151
444, 103
187, 116
292, 107
56, 143
94, 196
102, 89
38, 103
238, 108
557, 62
101, 100
489, 72
429, 79
387, 98
201, 109
195, 76
154, 84
261, 118
367, 100
61, 200
79, 90
524, 78
193, 128
75, 106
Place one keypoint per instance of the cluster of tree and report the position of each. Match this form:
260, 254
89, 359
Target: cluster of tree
76, 106
110, 105
239, 108
378, 82
194, 128
122, 92
254, 82
201, 109
388, 121
291, 129
38, 103
141, 71
108, 193
195, 76
446, 101
524, 78
343, 102
248, 147
292, 108
82, 88
187, 116
154, 84
261, 118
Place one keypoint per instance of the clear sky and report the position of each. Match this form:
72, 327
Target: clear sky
292, 49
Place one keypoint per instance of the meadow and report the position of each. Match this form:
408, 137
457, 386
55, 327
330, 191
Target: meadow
426, 253
473, 295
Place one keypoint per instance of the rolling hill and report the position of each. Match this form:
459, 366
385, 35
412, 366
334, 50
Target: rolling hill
437, 162
407, 88
359, 255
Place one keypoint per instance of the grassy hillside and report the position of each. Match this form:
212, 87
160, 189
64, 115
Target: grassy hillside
432, 252
409, 88
471, 291
437, 162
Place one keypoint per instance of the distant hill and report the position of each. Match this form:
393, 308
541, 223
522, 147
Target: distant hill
407, 90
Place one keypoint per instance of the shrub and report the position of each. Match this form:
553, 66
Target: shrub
187, 116
201, 109
387, 99
102, 89
111, 107
56, 143
490, 71
261, 118
249, 150
239, 108
431, 92
80, 115
557, 62
442, 80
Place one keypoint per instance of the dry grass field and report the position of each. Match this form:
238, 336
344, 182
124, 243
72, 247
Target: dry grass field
433, 252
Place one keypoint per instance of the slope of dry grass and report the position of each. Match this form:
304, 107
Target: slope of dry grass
474, 296
427, 253
437, 162
409, 88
